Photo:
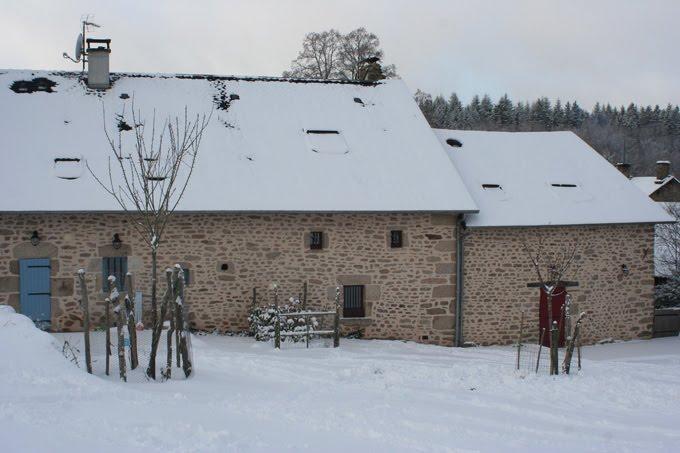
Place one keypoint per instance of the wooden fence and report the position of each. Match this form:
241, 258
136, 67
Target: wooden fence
666, 322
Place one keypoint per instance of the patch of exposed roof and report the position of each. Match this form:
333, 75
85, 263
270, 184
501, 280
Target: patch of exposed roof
255, 154
547, 178
649, 184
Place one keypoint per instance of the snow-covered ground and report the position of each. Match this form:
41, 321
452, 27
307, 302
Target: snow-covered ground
378, 396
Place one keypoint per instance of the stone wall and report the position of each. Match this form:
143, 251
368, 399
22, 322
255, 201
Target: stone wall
409, 292
497, 272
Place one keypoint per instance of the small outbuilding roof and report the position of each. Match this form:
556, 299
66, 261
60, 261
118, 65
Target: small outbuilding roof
275, 145
543, 178
649, 184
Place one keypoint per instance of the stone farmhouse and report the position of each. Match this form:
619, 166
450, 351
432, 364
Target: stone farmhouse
325, 182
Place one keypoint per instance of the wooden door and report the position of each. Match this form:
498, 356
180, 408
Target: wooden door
558, 300
34, 290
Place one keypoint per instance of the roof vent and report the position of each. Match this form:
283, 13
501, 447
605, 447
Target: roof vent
98, 75
560, 184
492, 186
325, 141
68, 167
454, 143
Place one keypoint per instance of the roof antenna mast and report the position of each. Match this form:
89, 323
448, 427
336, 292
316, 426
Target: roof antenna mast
80, 52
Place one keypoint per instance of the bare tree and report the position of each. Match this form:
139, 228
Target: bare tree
318, 58
148, 175
550, 267
667, 242
332, 55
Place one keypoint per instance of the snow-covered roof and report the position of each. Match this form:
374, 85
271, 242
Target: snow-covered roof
256, 154
649, 184
543, 178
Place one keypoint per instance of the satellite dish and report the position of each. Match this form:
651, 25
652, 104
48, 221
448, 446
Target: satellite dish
79, 46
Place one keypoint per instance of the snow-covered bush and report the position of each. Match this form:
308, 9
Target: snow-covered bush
262, 321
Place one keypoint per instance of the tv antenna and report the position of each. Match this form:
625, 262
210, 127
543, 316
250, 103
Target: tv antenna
80, 52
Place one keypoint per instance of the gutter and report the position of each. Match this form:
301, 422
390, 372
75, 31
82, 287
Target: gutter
460, 226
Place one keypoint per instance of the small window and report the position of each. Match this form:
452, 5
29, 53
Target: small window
396, 239
353, 301
454, 143
316, 240
324, 141
116, 266
68, 167
187, 276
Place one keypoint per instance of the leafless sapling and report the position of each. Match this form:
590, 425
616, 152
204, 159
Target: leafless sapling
148, 174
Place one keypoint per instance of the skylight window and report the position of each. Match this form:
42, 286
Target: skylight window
495, 191
68, 167
326, 141
452, 142
571, 192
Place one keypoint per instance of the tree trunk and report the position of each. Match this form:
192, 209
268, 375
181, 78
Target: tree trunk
154, 286
554, 340
158, 327
540, 347
86, 320
131, 322
120, 311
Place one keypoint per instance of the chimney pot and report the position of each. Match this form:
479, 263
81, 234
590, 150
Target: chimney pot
663, 169
624, 168
98, 74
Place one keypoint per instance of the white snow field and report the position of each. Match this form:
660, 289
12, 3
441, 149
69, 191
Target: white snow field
377, 396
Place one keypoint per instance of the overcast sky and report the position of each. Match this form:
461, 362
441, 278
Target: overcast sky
614, 51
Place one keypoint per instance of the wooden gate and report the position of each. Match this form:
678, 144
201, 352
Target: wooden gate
34, 290
558, 300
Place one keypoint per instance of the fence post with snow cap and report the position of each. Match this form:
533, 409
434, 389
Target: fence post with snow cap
336, 321
85, 304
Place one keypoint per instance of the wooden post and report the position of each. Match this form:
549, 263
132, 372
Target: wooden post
540, 346
578, 354
183, 345
277, 322
167, 373
131, 322
336, 320
304, 296
519, 339
566, 366
107, 326
120, 311
554, 340
85, 305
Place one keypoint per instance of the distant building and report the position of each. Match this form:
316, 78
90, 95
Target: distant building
663, 187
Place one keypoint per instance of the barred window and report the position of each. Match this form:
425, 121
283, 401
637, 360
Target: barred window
396, 239
316, 240
116, 266
353, 301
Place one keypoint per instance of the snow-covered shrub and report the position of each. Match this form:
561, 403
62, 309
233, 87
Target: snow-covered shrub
262, 321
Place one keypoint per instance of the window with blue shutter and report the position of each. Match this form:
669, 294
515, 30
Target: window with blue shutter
116, 266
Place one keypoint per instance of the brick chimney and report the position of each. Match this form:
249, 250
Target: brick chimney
623, 168
98, 75
663, 169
